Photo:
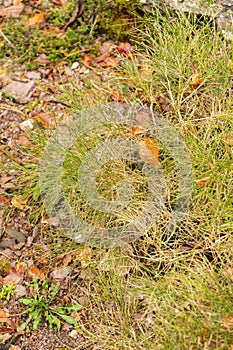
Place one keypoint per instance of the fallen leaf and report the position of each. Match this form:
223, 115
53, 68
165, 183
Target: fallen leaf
150, 152
46, 119
84, 256
202, 182
106, 46
17, 235
34, 272
4, 318
42, 59
227, 322
125, 49
36, 19
12, 11
117, 96
196, 80
4, 200
14, 347
16, 2
109, 62
19, 202
78, 315
63, 260
86, 60
24, 141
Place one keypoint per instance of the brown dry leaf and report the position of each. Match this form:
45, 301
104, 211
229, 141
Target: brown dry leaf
106, 46
12, 11
78, 315
125, 49
196, 80
42, 59
137, 131
36, 19
84, 256
24, 141
86, 60
63, 260
14, 347
227, 322
19, 202
46, 119
150, 152
202, 182
4, 318
4, 200
16, 2
117, 96
12, 277
109, 62
35, 272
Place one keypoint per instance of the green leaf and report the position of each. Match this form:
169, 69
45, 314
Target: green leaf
69, 319
76, 307
36, 323
27, 301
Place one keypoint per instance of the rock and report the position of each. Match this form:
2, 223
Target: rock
21, 291
221, 11
60, 273
26, 125
20, 91
73, 334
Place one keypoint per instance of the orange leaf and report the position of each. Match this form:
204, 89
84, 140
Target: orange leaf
63, 260
12, 277
150, 152
86, 60
109, 62
84, 256
196, 80
202, 182
36, 19
35, 272
24, 141
19, 202
4, 200
46, 119
5, 319
125, 49
116, 96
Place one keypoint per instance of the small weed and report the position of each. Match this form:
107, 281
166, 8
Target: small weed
41, 307
7, 291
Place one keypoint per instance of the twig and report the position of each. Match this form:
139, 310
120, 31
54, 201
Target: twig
10, 156
77, 12
4, 37
8, 108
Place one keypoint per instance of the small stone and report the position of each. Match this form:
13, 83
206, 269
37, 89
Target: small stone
73, 334
26, 125
60, 273
21, 291
33, 75
75, 65
20, 91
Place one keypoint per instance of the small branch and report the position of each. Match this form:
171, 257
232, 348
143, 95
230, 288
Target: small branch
4, 37
8, 108
77, 12
10, 156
